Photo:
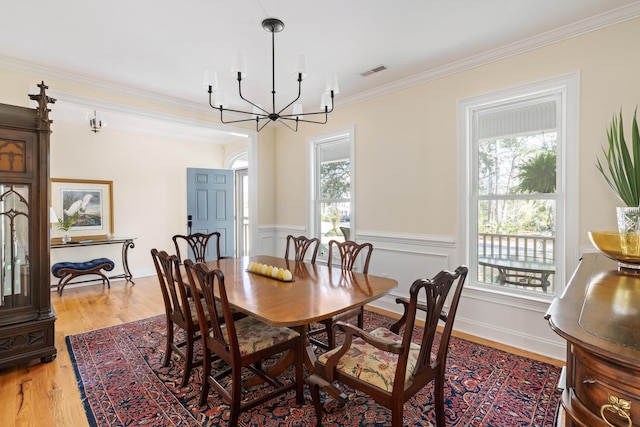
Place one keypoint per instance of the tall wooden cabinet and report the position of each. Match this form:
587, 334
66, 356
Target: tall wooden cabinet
26, 317
599, 316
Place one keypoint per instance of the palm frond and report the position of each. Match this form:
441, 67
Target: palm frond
622, 171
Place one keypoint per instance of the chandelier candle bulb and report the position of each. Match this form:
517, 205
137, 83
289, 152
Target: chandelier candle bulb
297, 111
220, 99
210, 79
325, 101
332, 84
239, 65
301, 66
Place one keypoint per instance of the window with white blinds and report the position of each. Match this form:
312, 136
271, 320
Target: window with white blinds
516, 179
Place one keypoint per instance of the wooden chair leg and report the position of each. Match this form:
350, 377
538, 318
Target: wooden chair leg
206, 371
168, 349
236, 396
315, 382
438, 391
397, 417
188, 362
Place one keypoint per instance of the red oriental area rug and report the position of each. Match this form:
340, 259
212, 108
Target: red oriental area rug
123, 383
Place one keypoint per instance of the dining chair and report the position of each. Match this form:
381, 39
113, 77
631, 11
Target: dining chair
349, 253
410, 362
242, 344
180, 312
199, 244
301, 245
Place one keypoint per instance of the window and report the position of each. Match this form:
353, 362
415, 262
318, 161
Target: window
520, 220
331, 163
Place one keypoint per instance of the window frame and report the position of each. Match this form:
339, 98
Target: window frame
313, 203
566, 89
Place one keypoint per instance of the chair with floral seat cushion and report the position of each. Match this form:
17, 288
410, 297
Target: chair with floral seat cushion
349, 253
181, 313
390, 367
241, 345
200, 245
301, 245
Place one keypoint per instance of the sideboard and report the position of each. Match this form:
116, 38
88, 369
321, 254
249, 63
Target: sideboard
599, 317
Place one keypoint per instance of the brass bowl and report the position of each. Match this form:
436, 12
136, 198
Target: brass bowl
608, 242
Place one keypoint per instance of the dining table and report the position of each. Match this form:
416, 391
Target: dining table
315, 292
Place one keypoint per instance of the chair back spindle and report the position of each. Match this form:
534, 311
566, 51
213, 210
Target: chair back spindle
349, 251
301, 245
199, 244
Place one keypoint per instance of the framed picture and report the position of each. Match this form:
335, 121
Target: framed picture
91, 202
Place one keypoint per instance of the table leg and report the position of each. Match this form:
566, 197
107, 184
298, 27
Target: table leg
125, 259
128, 243
309, 354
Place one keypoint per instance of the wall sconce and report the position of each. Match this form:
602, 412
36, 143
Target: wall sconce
96, 121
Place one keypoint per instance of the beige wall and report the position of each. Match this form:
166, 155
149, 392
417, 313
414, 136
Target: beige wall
406, 156
149, 182
406, 169
406, 162
148, 170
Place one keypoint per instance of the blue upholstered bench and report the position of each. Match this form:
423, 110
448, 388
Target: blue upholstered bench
66, 271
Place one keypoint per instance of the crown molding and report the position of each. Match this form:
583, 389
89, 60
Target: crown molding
71, 108
616, 16
48, 73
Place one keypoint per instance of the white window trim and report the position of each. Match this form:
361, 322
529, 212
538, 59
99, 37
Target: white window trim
567, 156
312, 142
237, 154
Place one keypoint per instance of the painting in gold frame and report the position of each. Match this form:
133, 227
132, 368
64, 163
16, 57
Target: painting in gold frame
91, 200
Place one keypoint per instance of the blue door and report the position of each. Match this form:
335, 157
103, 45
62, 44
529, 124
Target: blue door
210, 205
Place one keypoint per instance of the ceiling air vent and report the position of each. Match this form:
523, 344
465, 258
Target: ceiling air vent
373, 70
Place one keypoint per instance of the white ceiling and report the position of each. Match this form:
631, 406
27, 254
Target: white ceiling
160, 48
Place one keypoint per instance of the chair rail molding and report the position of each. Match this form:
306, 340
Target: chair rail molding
497, 316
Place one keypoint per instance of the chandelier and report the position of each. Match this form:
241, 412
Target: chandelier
260, 115
96, 121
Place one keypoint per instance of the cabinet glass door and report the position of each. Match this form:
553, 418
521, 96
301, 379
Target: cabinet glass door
14, 249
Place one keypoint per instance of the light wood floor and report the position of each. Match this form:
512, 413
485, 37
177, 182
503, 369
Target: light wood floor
47, 394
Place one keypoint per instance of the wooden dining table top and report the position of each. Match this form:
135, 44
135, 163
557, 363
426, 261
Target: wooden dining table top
316, 292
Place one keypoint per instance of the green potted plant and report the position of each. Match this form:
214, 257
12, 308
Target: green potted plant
65, 225
621, 171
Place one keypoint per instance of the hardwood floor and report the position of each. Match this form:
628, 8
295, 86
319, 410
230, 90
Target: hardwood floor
46, 394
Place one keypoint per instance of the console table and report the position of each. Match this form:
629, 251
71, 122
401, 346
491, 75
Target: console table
599, 316
127, 243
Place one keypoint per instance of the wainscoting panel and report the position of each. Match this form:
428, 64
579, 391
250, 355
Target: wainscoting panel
502, 318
